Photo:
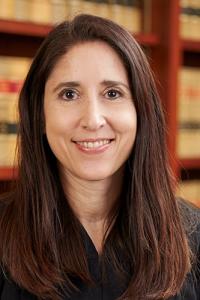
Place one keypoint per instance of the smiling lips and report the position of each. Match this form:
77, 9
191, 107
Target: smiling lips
93, 146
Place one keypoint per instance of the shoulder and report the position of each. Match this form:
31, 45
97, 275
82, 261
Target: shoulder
188, 209
190, 217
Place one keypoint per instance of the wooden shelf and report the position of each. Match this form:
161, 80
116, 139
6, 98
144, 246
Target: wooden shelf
20, 38
190, 163
24, 28
7, 173
190, 45
147, 39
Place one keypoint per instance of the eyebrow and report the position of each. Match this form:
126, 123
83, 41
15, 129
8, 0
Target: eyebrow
65, 84
114, 83
77, 84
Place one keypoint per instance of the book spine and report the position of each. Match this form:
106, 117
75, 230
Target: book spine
7, 9
103, 8
127, 13
188, 141
132, 16
90, 7
40, 11
22, 10
8, 141
75, 7
190, 19
13, 68
12, 73
8, 104
8, 121
59, 11
117, 11
195, 20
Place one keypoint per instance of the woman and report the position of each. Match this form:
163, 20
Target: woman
93, 214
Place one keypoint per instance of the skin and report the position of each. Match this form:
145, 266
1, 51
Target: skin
87, 96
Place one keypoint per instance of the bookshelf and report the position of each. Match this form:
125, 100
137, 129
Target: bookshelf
7, 173
190, 163
31, 35
166, 50
190, 46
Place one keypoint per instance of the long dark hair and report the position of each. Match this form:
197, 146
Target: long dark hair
40, 236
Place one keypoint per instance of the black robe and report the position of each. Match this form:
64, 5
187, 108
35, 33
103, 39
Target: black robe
113, 287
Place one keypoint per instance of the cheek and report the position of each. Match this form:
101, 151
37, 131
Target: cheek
127, 121
59, 122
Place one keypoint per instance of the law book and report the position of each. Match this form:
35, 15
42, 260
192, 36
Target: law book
188, 144
12, 73
190, 19
9, 91
103, 8
195, 20
189, 94
53, 11
33, 11
132, 15
90, 7
8, 121
190, 190
40, 11
7, 9
184, 18
14, 68
127, 13
75, 7
59, 11
8, 140
117, 11
188, 139
22, 10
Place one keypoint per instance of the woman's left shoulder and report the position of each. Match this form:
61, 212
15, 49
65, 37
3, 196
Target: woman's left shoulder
190, 216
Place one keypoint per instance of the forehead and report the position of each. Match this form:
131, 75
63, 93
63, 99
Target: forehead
89, 58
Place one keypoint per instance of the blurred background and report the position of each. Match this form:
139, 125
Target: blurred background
169, 33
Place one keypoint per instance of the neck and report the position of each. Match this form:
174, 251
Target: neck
93, 202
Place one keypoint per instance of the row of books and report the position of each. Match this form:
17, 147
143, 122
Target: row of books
12, 73
190, 190
188, 142
125, 12
190, 19
8, 121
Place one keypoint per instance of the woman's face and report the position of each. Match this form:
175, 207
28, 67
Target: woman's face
90, 118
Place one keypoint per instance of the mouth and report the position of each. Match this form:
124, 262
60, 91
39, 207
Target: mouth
93, 145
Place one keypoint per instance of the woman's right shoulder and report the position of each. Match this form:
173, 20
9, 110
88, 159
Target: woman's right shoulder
190, 216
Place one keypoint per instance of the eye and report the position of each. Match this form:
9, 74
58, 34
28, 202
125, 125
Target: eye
113, 94
68, 94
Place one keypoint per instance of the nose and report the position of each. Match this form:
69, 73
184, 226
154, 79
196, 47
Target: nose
93, 116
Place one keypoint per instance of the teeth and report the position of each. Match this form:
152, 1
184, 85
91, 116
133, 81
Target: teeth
94, 144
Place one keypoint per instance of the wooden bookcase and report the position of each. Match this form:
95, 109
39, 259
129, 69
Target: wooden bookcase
166, 51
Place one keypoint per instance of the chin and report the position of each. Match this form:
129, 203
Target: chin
94, 176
